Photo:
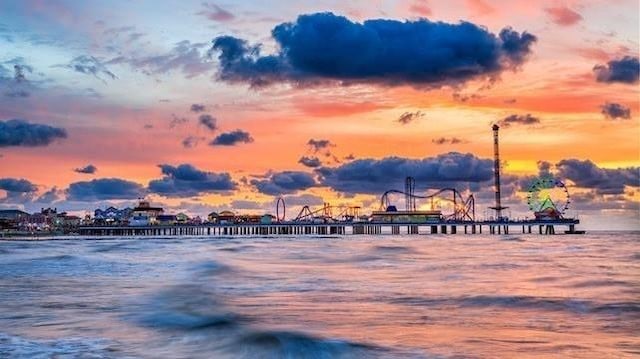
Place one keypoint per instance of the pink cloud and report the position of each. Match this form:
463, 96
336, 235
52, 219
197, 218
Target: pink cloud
421, 7
563, 16
480, 7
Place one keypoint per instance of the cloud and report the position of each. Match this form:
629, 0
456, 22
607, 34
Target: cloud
88, 169
444, 141
613, 111
248, 204
17, 190
586, 174
284, 182
480, 7
408, 117
17, 185
18, 132
303, 199
50, 196
177, 121
17, 85
184, 56
544, 168
231, 138
196, 107
310, 161
421, 8
185, 180
104, 189
562, 15
326, 47
215, 13
208, 121
89, 65
191, 141
318, 145
625, 70
527, 120
375, 176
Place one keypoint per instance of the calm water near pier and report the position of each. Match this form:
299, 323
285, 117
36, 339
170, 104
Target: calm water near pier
332, 297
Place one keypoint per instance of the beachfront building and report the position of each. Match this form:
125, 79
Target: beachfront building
144, 214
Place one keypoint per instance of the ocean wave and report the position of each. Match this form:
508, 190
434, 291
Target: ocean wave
393, 249
12, 346
123, 246
183, 307
575, 306
286, 344
600, 283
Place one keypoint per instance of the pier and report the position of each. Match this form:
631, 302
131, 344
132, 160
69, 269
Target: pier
338, 228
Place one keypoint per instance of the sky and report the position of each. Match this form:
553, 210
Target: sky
204, 106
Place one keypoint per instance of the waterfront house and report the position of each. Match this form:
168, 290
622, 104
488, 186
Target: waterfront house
144, 213
213, 217
226, 217
166, 219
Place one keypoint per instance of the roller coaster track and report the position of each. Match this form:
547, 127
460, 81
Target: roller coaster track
328, 213
464, 210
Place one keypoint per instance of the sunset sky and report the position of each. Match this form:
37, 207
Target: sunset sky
203, 106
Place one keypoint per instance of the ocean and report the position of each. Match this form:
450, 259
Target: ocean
421, 296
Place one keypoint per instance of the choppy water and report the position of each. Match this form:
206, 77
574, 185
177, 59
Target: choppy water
332, 297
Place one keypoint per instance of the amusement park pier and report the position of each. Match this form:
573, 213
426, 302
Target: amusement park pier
549, 215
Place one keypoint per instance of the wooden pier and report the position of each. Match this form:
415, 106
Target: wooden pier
336, 228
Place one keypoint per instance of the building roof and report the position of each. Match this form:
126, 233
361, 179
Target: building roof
165, 217
12, 213
149, 209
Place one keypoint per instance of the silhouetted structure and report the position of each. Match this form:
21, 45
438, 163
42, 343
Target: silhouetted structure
496, 173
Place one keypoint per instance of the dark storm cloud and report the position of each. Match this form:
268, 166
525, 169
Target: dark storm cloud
318, 145
519, 120
22, 133
284, 182
613, 111
104, 189
196, 107
408, 117
231, 138
214, 12
88, 169
625, 70
188, 181
324, 46
310, 161
185, 57
377, 176
586, 174
89, 65
208, 121
446, 141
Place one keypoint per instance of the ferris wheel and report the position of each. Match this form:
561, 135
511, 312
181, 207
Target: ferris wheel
548, 197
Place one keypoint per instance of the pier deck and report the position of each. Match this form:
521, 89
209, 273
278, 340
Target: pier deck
336, 228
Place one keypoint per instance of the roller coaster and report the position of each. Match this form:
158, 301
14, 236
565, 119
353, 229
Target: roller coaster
328, 213
463, 209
